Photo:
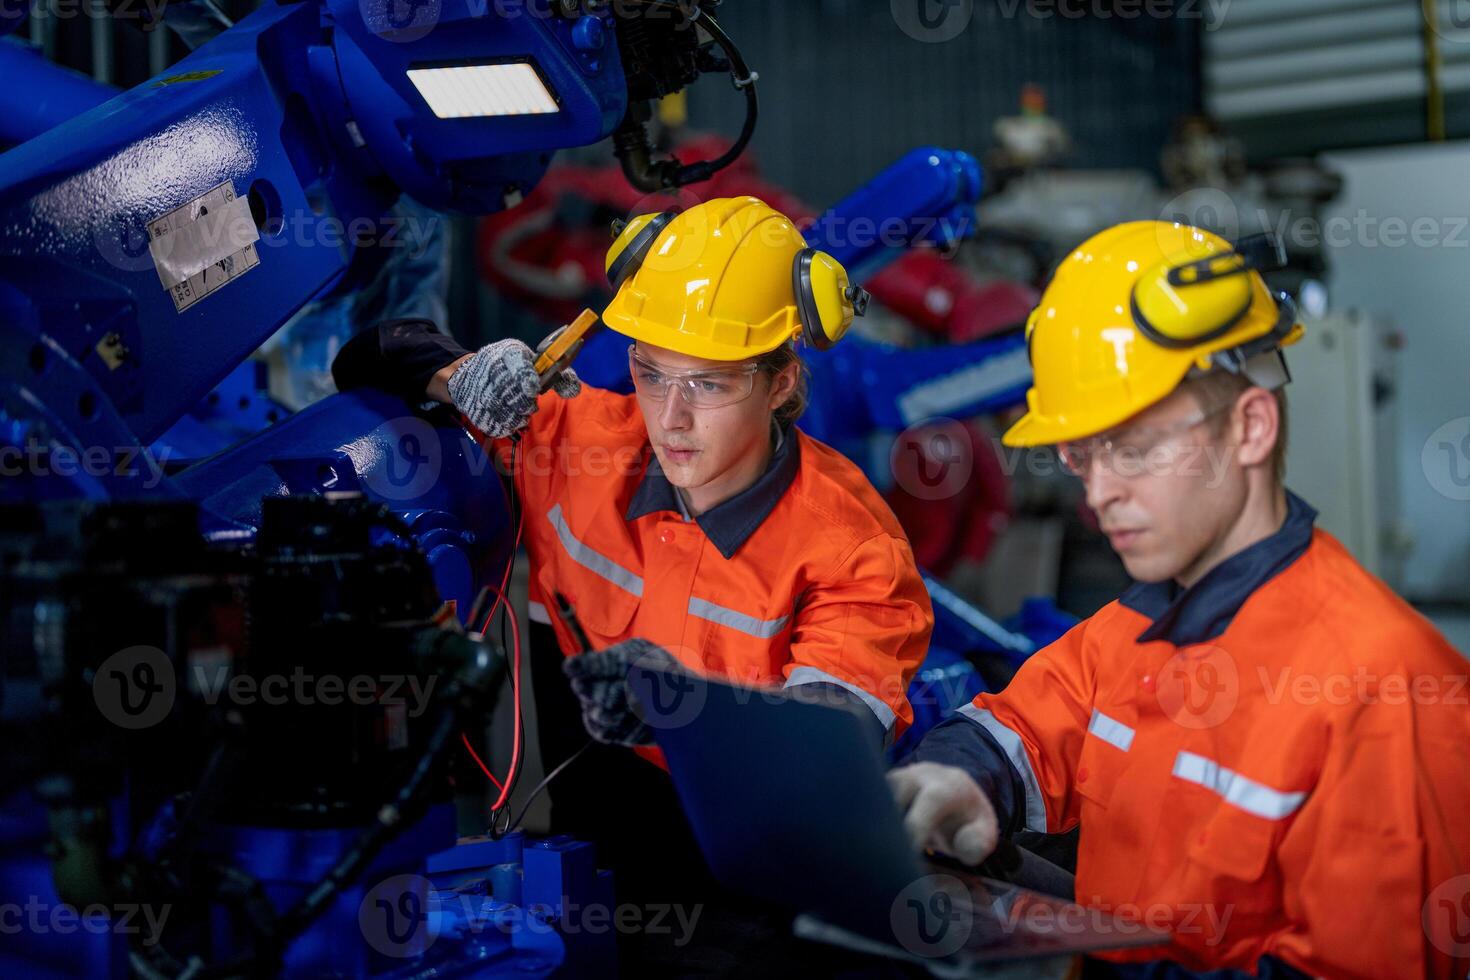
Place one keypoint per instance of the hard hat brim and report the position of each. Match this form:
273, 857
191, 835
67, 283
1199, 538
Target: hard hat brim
636, 328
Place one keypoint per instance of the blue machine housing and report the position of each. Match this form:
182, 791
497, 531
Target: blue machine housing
306, 112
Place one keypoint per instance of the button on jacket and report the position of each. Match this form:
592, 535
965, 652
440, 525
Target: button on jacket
1274, 764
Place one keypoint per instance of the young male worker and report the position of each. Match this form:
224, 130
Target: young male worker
690, 520
1268, 751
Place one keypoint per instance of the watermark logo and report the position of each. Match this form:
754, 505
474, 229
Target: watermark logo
400, 21
932, 917
932, 21
933, 459
1203, 207
394, 917
667, 700
1449, 20
135, 687
1199, 687
410, 461
38, 917
1446, 917
1445, 459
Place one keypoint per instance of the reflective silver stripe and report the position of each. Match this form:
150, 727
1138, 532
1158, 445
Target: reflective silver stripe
812, 675
1249, 795
1015, 750
1111, 730
594, 562
536, 613
761, 629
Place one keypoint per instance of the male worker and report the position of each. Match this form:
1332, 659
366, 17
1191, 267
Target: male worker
691, 520
1266, 749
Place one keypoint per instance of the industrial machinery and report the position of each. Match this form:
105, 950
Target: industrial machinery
166, 807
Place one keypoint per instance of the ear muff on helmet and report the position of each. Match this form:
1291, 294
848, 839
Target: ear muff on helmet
826, 301
631, 246
1181, 303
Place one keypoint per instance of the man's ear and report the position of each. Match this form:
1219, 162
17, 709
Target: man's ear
1256, 421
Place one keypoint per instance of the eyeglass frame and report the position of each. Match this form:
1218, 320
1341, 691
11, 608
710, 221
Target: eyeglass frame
1160, 435
686, 379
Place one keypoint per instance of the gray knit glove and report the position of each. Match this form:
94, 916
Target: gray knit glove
496, 388
600, 681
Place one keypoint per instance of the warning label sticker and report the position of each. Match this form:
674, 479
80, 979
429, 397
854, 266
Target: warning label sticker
202, 246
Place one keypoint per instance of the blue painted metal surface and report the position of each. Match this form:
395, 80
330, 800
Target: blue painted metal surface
38, 94
317, 129
428, 905
927, 197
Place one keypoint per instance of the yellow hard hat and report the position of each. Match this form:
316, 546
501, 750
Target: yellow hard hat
728, 279
1132, 311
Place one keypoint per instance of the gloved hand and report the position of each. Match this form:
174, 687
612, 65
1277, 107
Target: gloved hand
496, 387
600, 681
945, 810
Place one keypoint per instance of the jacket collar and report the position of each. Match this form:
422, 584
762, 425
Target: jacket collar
730, 524
1203, 611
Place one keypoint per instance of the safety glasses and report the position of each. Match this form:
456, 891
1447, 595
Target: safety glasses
1132, 451
709, 388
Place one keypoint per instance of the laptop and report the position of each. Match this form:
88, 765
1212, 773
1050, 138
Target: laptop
787, 799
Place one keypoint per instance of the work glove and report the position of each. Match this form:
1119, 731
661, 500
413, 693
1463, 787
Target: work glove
945, 810
600, 682
496, 388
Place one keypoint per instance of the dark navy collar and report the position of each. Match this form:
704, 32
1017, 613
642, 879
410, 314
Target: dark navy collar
1204, 610
730, 524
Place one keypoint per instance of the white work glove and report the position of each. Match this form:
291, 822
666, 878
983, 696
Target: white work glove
945, 810
496, 387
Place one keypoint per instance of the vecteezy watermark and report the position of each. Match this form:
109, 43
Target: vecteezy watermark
1446, 917
124, 244
409, 459
932, 917
214, 682
933, 459
394, 916
1198, 687
148, 12
37, 916
137, 687
1363, 686
404, 21
37, 459
1215, 210
1101, 918
1449, 19
1212, 12
404, 915
667, 700
1445, 459
932, 21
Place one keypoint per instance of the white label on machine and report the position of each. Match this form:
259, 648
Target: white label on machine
202, 245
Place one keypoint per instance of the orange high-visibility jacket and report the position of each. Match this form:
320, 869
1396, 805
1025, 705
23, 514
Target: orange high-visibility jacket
804, 577
1272, 763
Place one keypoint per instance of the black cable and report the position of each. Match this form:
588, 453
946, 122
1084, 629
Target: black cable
744, 80
516, 823
670, 172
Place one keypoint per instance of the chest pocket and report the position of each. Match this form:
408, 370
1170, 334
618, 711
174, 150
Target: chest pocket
603, 591
1105, 755
1231, 855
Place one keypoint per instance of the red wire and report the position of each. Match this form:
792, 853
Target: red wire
515, 673
478, 761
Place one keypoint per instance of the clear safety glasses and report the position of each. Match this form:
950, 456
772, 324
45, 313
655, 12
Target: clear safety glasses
710, 388
1132, 451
